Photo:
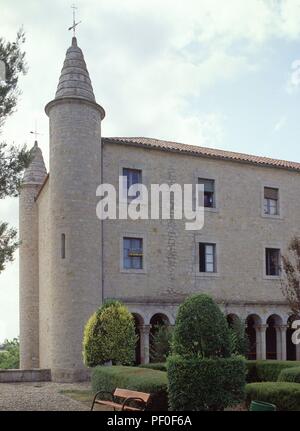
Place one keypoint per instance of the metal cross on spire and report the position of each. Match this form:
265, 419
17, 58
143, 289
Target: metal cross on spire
75, 24
35, 132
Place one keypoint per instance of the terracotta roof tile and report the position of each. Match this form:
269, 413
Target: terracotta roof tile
203, 152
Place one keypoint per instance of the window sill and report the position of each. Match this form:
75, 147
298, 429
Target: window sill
207, 274
272, 277
273, 217
133, 271
211, 210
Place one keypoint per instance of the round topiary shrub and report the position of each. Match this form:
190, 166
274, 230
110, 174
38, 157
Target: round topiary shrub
202, 373
290, 375
109, 335
201, 329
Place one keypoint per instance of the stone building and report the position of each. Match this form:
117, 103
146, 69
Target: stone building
70, 261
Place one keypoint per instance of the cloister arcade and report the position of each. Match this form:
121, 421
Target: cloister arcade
269, 335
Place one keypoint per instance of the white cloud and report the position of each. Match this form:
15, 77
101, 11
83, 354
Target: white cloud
281, 123
293, 82
149, 61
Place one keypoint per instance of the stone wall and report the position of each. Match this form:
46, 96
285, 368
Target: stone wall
236, 225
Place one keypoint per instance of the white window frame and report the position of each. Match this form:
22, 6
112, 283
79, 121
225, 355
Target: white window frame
279, 206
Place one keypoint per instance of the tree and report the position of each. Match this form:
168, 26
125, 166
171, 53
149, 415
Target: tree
109, 335
160, 345
13, 160
238, 338
10, 354
203, 373
290, 282
201, 329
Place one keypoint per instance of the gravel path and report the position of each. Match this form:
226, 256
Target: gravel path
39, 396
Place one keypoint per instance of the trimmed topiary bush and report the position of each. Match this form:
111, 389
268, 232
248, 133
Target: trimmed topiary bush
267, 371
134, 378
286, 396
205, 384
160, 366
201, 329
109, 335
290, 375
202, 373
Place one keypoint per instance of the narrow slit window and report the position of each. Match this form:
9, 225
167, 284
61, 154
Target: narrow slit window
63, 246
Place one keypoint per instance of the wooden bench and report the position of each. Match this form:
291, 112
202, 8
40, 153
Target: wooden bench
121, 399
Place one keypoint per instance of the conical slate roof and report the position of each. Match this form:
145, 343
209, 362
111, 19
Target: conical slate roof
74, 80
36, 171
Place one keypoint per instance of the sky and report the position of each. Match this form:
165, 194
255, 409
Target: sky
202, 72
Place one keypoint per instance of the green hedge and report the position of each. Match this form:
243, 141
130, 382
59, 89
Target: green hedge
201, 329
205, 384
160, 366
267, 371
286, 396
290, 375
134, 378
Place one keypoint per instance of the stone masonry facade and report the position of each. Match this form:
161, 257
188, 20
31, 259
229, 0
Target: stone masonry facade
70, 261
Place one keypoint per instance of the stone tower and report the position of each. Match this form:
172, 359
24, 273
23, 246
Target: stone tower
75, 248
34, 177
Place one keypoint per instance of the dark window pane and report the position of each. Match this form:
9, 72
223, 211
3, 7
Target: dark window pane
63, 246
271, 193
133, 253
202, 257
209, 191
207, 257
272, 261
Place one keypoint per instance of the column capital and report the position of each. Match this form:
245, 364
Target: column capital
281, 327
145, 329
263, 327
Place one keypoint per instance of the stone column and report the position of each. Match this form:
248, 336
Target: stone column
297, 352
283, 329
261, 342
278, 342
145, 343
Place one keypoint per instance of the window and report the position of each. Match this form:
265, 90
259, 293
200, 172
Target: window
272, 261
134, 176
207, 257
63, 246
209, 192
133, 253
271, 201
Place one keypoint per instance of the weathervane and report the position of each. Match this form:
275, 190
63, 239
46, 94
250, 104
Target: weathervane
75, 24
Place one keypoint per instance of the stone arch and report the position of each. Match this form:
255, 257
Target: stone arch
253, 322
273, 337
232, 317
